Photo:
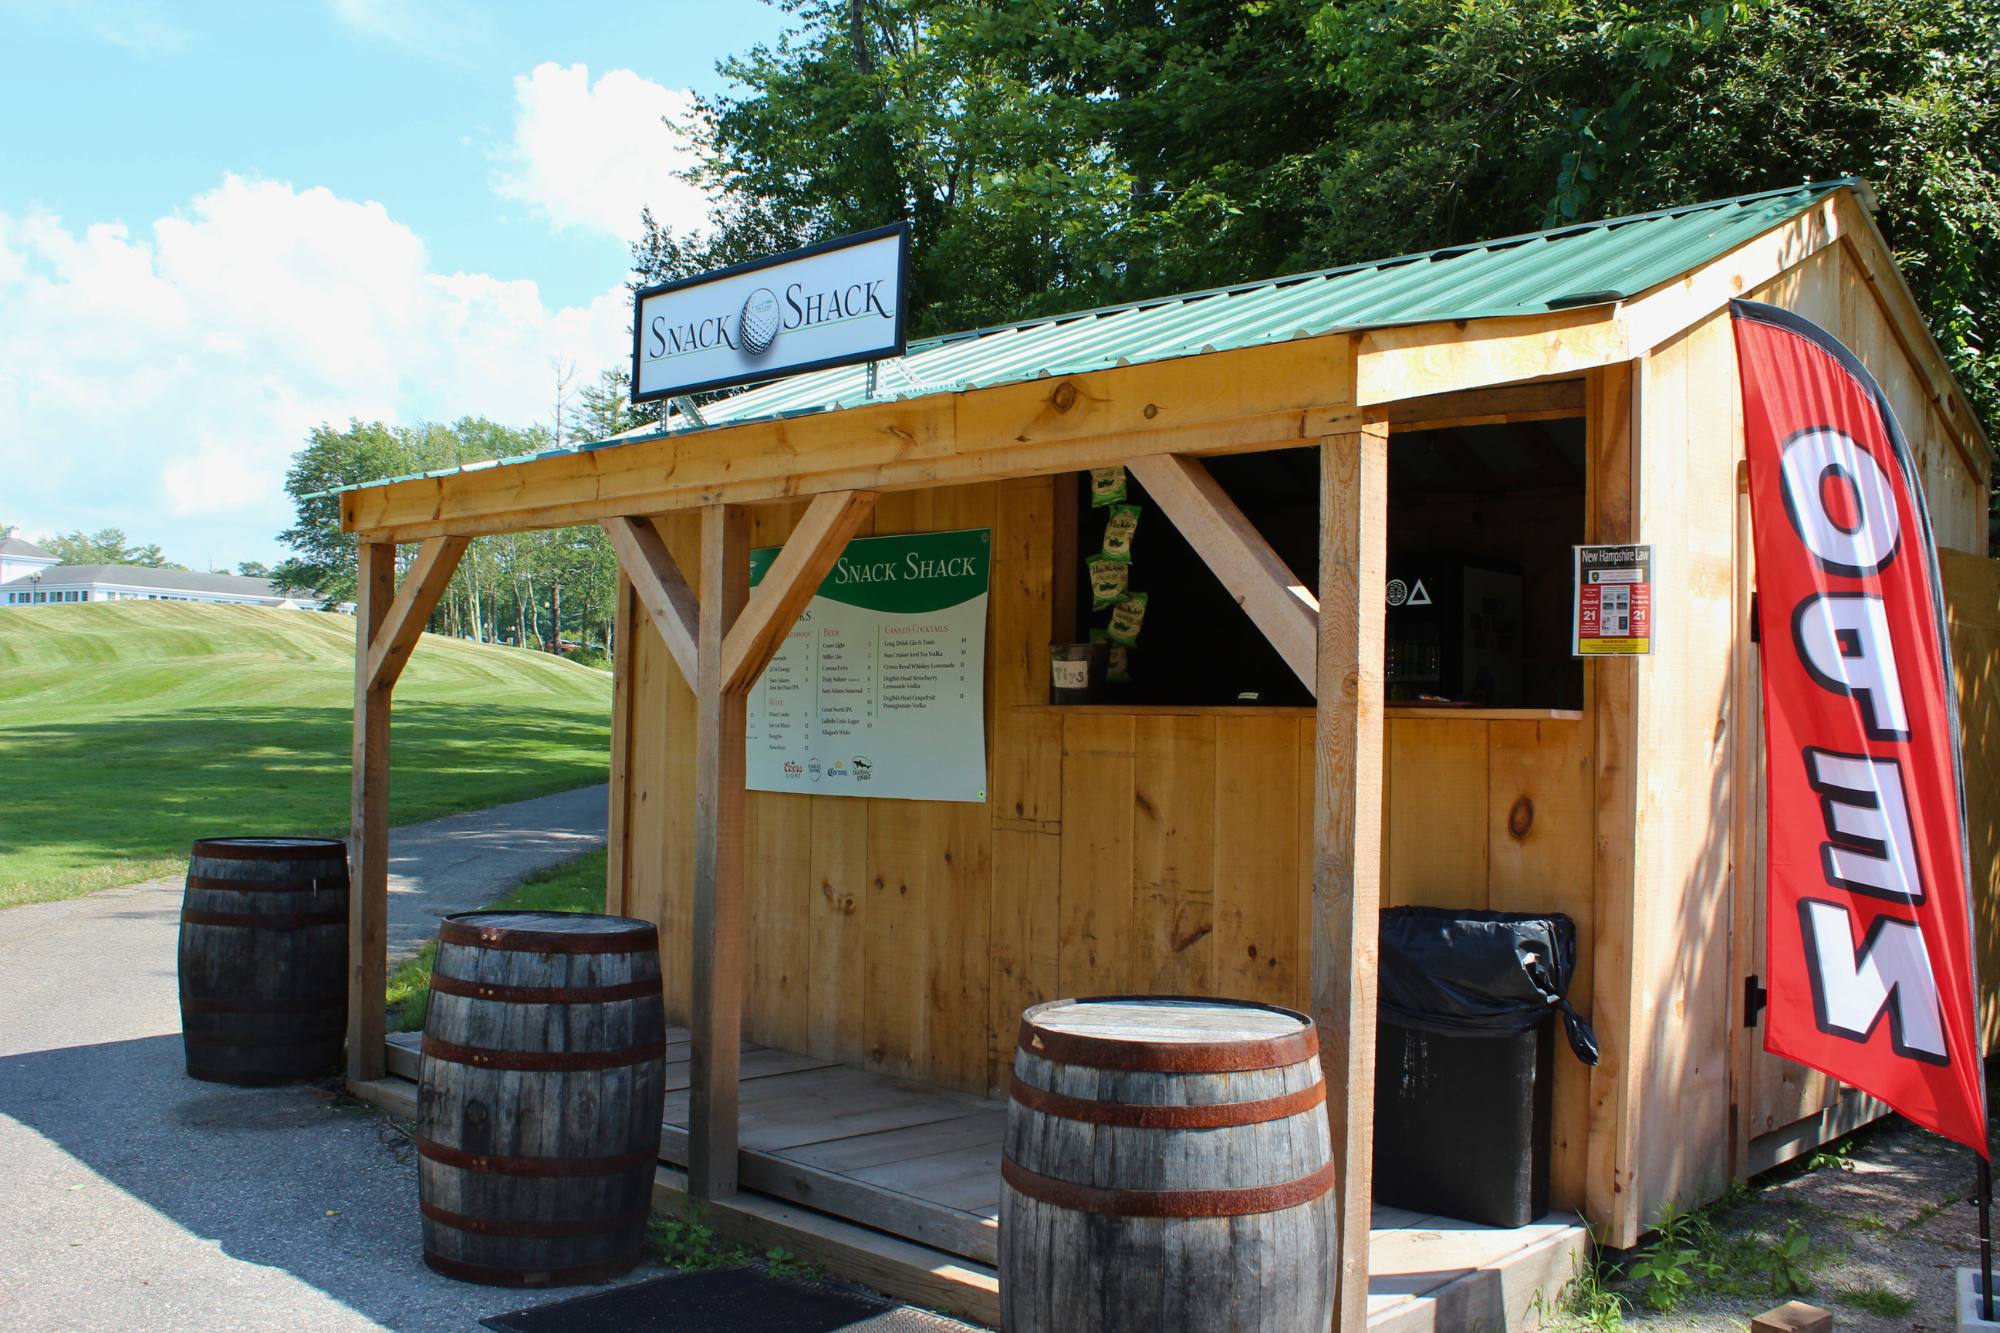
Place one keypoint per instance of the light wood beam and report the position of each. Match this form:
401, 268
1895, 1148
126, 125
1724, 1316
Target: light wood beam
1274, 598
717, 943
790, 582
423, 585
1542, 400
1274, 396
1347, 827
368, 840
661, 588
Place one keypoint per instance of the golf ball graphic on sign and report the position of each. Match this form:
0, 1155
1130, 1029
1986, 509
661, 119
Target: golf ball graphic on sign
757, 326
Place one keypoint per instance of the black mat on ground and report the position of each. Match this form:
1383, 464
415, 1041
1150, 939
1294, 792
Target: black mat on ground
737, 1299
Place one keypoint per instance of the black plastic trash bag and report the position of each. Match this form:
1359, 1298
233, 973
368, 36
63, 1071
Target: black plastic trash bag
1474, 974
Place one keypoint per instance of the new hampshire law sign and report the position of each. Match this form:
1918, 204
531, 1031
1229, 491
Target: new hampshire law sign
831, 304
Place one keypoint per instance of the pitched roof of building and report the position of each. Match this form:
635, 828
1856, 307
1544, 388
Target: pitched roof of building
1584, 264
141, 576
20, 546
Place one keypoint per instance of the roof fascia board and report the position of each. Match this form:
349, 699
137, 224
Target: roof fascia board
1661, 314
1406, 361
1278, 395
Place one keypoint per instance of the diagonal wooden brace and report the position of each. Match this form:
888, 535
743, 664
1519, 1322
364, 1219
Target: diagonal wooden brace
390, 647
775, 603
1277, 601
670, 603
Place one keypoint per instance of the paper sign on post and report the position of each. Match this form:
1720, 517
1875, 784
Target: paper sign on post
1612, 611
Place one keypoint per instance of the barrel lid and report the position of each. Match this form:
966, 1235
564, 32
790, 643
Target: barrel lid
550, 932
269, 849
1169, 1033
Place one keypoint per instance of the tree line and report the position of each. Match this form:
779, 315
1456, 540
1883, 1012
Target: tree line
1062, 154
554, 590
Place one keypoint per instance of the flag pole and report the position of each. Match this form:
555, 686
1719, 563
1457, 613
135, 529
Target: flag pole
1985, 1238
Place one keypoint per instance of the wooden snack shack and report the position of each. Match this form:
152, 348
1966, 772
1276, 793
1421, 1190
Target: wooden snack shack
1354, 688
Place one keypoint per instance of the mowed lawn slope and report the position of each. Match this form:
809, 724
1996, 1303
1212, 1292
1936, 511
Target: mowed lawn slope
129, 729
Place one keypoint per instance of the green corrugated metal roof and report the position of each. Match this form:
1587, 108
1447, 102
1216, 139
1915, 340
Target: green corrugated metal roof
1591, 263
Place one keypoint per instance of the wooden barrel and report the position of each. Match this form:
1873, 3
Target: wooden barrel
540, 1096
263, 959
1167, 1167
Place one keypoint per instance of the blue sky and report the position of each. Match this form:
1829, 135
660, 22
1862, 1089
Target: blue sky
221, 223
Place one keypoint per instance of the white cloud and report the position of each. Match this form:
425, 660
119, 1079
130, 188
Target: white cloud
160, 383
592, 155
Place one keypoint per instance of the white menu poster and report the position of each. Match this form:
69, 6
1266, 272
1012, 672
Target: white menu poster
880, 688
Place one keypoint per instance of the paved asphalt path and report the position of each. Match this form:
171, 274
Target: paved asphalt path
135, 1198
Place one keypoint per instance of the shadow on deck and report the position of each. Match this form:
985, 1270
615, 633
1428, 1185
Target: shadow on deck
918, 1169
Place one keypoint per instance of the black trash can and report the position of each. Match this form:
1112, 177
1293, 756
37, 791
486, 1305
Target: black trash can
1464, 1060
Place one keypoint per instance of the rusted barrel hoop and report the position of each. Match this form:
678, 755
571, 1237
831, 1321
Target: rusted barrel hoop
270, 849
330, 1003
331, 884
1219, 1115
489, 1226
265, 920
1189, 1057
489, 1276
1166, 1203
546, 1167
480, 990
543, 1062
636, 940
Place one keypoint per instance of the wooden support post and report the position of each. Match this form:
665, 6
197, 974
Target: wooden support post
368, 842
718, 973
1347, 826
1228, 542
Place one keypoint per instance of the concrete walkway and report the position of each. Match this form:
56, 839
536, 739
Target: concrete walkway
134, 1197
463, 862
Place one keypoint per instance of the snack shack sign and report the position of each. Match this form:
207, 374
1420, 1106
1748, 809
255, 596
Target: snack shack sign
831, 304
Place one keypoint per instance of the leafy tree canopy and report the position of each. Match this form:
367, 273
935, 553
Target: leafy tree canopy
1057, 154
107, 546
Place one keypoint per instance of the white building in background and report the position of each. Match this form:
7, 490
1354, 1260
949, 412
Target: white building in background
128, 583
20, 557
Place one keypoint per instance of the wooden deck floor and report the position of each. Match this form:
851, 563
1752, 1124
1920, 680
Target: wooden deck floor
924, 1164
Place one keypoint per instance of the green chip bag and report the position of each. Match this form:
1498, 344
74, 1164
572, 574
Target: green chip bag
1126, 619
1108, 581
1118, 532
1107, 486
1118, 669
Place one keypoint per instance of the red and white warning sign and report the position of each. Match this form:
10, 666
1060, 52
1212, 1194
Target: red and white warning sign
1613, 612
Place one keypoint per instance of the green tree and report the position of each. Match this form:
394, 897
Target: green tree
605, 408
1056, 154
107, 546
252, 569
323, 557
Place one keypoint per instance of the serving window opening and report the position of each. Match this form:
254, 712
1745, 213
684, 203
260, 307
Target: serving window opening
1482, 520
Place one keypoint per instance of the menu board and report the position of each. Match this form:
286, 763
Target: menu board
880, 688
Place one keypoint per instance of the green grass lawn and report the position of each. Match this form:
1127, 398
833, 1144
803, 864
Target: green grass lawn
129, 729
574, 886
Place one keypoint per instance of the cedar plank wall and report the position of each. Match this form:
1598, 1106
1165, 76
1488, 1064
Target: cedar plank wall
1972, 608
906, 937
1685, 979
